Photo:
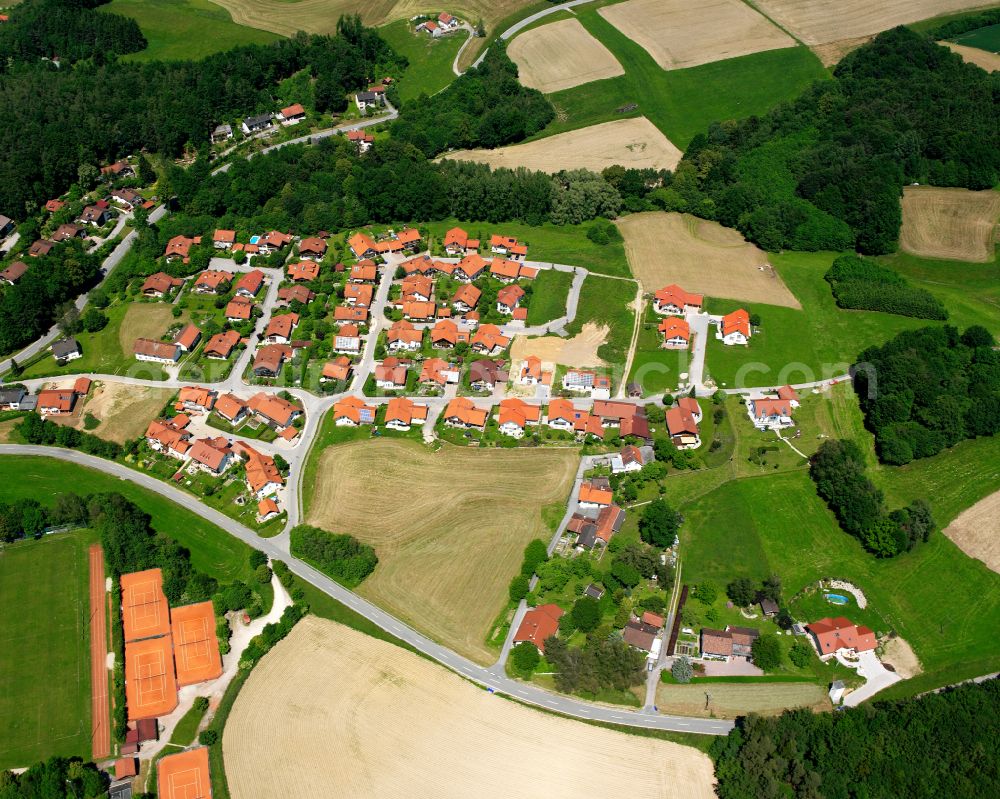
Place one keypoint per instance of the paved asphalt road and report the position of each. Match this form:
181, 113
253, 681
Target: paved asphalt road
278, 548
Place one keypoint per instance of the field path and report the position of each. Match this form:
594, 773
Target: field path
101, 721
636, 327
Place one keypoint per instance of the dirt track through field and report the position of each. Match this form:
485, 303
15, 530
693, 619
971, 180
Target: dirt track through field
822, 21
101, 722
579, 351
449, 527
700, 256
331, 713
679, 33
561, 55
973, 55
633, 143
976, 531
954, 224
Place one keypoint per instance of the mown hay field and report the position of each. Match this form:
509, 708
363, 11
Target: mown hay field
822, 21
679, 34
976, 531
953, 224
634, 143
700, 256
320, 16
331, 713
729, 700
449, 527
561, 55
144, 320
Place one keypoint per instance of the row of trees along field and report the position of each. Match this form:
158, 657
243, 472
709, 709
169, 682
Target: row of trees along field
825, 172
927, 389
940, 745
58, 119
865, 285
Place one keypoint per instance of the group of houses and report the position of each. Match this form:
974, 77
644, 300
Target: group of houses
828, 637
257, 123
47, 402
674, 303
440, 25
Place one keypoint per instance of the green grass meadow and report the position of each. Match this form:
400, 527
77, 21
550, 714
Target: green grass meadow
548, 297
185, 29
430, 59
682, 102
44, 649
983, 38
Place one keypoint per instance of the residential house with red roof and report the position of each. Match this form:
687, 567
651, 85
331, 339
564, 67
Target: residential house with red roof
239, 309
250, 283
303, 271
338, 370
509, 298
515, 416
159, 284
469, 268
488, 340
486, 375
347, 339
831, 635
770, 413
594, 493
508, 246
675, 301
538, 625
390, 374
365, 271
146, 349
221, 345
14, 272
402, 335
733, 642
231, 408
223, 239
313, 247
274, 411
438, 372
734, 328
464, 413
587, 382
55, 402
466, 298
212, 455
457, 243
279, 328
269, 359
292, 114
682, 428
401, 413
212, 281
187, 338
676, 333
351, 412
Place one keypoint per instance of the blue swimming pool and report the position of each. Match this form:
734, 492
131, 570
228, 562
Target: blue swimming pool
836, 599
254, 239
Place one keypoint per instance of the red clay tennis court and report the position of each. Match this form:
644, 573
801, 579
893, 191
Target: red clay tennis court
150, 683
196, 648
184, 776
145, 613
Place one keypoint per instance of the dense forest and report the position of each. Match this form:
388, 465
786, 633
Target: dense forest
56, 778
28, 308
341, 557
863, 284
485, 107
58, 120
838, 469
826, 171
940, 745
928, 389
69, 30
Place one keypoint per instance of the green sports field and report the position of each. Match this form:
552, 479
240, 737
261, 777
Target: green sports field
683, 102
44, 654
185, 29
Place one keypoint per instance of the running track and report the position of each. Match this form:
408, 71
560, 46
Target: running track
101, 731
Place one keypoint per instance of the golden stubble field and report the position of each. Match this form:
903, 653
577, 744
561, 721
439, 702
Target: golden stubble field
976, 531
634, 143
700, 256
561, 55
333, 713
679, 34
729, 700
449, 527
954, 224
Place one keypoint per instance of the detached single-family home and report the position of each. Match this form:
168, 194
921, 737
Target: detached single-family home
146, 349
264, 479
364, 271
368, 99
469, 268
509, 298
351, 412
830, 635
292, 115
14, 272
347, 339
221, 345
675, 301
431, 27
274, 240
676, 333
361, 139
445, 335
486, 375
275, 412
212, 455
212, 281
362, 245
538, 625
66, 349
313, 247
789, 395
350, 313
160, 284
279, 329
734, 328
239, 309
390, 374
439, 372
10, 398
55, 402
359, 295
169, 436
733, 642
509, 247
197, 399
769, 413
41, 248
222, 133
303, 271
457, 243
682, 428
289, 294
516, 415
402, 335
119, 169
419, 311
531, 371
256, 123
466, 298
463, 412
126, 199
231, 408
338, 370
187, 338
401, 413
179, 248
223, 239
585, 382
639, 635
595, 493
447, 21
249, 284
488, 340
96, 215
67, 232
418, 288
631, 459
269, 359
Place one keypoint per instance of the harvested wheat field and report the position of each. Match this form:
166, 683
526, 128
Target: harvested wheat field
678, 33
320, 16
729, 700
330, 713
830, 53
976, 531
561, 55
954, 224
453, 537
700, 256
973, 55
145, 320
822, 21
900, 655
634, 143
579, 351
123, 410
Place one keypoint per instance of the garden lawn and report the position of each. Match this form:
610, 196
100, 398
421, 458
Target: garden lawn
187, 727
430, 59
548, 296
683, 102
548, 243
605, 301
44, 649
185, 29
655, 369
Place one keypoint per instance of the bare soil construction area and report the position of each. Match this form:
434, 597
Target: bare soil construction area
579, 351
634, 143
561, 55
700, 256
954, 224
976, 531
900, 655
729, 700
678, 33
332, 713
822, 21
450, 531
973, 55
124, 411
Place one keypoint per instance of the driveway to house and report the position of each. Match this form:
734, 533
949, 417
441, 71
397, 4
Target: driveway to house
877, 678
278, 548
700, 331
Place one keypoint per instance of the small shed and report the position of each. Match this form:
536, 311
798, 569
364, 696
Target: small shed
126, 767
769, 607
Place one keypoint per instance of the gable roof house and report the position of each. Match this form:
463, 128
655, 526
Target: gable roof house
402, 335
486, 375
731, 642
168, 437
221, 345
54, 402
146, 349
438, 371
230, 407
212, 455
179, 248
269, 359
587, 382
463, 412
682, 428
66, 349
639, 635
508, 246
676, 333
417, 288
457, 242
362, 139
466, 298
390, 374
516, 415
159, 284
734, 328
531, 372
594, 493
274, 411
14, 272
347, 339
509, 298
789, 395
67, 232
96, 215
445, 334
187, 338
350, 313
769, 413
289, 294
279, 328
223, 239
538, 625
212, 281
351, 412
222, 133
362, 245
675, 301
239, 309
364, 271
302, 271
402, 412
469, 268
256, 123
40, 248
366, 100
359, 294
631, 459
488, 340
274, 240
250, 283
262, 474
833, 634
292, 115
313, 247
195, 398
419, 311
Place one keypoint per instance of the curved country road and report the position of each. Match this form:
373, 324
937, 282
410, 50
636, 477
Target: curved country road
524, 23
492, 678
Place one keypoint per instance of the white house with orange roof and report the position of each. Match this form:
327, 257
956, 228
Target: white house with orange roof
401, 413
734, 328
672, 300
770, 413
531, 371
586, 382
351, 412
676, 333
515, 416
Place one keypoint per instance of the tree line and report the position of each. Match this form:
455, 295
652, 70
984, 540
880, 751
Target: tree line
865, 285
55, 778
71, 30
927, 389
937, 745
825, 171
838, 469
341, 557
965, 23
